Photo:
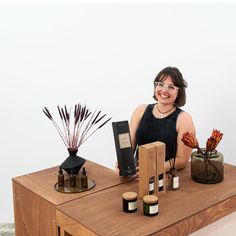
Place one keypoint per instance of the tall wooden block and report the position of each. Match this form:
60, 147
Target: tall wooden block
147, 170
160, 167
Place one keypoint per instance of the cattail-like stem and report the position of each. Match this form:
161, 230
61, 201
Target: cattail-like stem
46, 112
74, 134
83, 140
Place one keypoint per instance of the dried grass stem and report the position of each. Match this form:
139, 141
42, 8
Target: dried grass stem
75, 133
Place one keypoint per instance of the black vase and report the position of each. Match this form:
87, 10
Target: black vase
73, 163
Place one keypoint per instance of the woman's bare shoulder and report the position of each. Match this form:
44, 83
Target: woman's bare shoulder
140, 110
185, 122
184, 115
138, 113
141, 107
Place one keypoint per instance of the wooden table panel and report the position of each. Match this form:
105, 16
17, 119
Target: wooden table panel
201, 219
34, 216
42, 182
181, 212
67, 225
35, 198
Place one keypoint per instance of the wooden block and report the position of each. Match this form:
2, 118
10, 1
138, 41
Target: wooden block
160, 167
33, 215
68, 226
147, 170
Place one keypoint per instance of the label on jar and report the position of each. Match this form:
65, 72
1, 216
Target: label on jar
151, 186
153, 209
176, 182
160, 183
132, 205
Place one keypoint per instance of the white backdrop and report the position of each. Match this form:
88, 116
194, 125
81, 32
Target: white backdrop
107, 55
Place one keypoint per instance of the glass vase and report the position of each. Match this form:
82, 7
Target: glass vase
207, 168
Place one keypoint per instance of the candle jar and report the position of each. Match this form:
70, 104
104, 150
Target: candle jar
150, 205
129, 202
207, 168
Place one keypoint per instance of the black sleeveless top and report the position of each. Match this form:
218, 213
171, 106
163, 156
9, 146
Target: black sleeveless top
153, 129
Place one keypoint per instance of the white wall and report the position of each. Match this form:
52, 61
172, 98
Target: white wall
107, 55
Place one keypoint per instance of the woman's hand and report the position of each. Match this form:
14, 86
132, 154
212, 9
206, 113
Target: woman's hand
118, 170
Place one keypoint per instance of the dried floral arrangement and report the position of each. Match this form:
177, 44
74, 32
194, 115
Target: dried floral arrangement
207, 165
211, 144
76, 128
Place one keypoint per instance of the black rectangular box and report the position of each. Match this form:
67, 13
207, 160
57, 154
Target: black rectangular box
124, 150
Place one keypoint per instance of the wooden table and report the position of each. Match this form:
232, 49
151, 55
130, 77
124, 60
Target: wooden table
181, 212
35, 199
40, 210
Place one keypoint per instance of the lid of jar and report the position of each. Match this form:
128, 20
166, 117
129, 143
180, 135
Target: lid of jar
129, 195
150, 198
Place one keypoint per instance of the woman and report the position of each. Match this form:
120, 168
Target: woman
164, 121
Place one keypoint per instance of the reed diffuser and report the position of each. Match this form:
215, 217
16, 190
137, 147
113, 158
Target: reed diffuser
76, 127
174, 178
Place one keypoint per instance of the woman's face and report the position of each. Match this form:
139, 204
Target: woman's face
165, 91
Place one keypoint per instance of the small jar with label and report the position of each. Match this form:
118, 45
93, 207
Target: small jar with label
129, 202
152, 185
174, 184
160, 182
150, 205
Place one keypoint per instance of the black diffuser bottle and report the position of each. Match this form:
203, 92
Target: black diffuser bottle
84, 179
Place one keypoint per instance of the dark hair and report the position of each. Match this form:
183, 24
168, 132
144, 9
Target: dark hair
178, 81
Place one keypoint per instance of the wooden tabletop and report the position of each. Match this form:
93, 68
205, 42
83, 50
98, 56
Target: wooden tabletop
181, 212
42, 182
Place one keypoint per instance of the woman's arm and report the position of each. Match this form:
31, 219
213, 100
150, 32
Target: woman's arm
184, 123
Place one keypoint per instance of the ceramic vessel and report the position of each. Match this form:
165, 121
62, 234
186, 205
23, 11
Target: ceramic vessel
73, 163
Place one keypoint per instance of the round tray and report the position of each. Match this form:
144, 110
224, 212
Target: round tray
77, 189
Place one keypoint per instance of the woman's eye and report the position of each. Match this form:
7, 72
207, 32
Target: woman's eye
170, 87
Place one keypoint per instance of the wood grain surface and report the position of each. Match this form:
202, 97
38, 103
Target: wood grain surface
34, 216
181, 212
35, 198
42, 182
67, 225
